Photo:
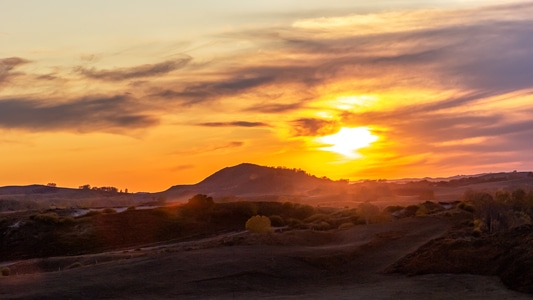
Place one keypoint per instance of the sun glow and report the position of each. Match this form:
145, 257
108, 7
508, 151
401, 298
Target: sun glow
348, 140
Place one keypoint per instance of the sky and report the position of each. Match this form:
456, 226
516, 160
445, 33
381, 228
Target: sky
148, 94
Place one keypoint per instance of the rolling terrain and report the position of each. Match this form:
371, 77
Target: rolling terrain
461, 237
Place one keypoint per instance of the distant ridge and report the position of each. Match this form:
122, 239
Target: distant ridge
31, 189
242, 181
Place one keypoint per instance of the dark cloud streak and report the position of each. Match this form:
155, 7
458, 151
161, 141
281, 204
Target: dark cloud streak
86, 114
148, 70
200, 92
233, 124
313, 127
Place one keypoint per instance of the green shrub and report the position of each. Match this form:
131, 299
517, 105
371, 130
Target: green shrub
5, 271
259, 224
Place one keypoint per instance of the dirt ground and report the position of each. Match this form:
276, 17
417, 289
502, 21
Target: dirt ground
342, 264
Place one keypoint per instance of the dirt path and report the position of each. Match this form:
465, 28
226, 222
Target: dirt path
292, 265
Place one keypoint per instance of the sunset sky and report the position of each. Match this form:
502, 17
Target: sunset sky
148, 94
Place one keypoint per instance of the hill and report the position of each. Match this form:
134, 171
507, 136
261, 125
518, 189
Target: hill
249, 180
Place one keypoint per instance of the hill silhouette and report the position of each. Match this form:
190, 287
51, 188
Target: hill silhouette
253, 180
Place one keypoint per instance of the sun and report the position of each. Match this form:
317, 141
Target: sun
348, 140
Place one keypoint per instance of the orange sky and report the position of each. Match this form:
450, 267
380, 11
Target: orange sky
148, 94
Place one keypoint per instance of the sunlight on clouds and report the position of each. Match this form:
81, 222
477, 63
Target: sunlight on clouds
467, 141
409, 89
387, 22
353, 102
398, 21
347, 141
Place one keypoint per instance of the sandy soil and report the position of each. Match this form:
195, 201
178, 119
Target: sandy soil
343, 264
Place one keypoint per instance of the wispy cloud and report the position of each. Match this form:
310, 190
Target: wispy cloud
233, 124
200, 92
147, 70
7, 65
209, 148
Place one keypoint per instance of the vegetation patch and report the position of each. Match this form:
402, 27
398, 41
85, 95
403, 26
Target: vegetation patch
259, 224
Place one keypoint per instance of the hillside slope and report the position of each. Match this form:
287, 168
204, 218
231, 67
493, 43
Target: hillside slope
253, 180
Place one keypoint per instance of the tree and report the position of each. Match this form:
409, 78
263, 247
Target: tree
368, 210
487, 210
200, 206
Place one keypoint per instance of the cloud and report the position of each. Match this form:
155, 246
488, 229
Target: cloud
274, 108
233, 124
209, 148
7, 65
148, 70
85, 114
200, 92
466, 50
313, 127
182, 168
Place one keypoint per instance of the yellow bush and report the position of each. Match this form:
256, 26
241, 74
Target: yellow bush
259, 224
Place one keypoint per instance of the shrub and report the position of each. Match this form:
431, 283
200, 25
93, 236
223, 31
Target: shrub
321, 226
259, 224
302, 211
422, 210
429, 207
276, 221
48, 218
411, 210
466, 207
246, 209
296, 223
393, 208
318, 218
368, 211
5, 271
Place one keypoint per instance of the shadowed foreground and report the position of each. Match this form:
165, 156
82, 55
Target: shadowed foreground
296, 264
